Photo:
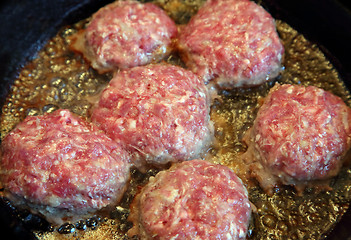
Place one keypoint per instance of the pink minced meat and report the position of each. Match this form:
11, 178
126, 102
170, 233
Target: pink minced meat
232, 42
300, 134
192, 200
127, 34
62, 167
160, 112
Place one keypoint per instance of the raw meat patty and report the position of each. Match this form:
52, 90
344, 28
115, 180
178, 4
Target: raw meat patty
192, 200
300, 134
126, 34
62, 167
233, 42
161, 113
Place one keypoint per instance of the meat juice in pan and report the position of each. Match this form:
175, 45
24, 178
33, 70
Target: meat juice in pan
58, 78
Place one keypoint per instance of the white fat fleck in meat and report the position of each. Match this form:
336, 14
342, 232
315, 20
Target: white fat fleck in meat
132, 124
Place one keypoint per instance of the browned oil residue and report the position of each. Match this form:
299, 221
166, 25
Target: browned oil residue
58, 78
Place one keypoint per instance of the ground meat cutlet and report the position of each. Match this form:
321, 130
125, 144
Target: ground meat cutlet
62, 167
126, 34
192, 200
160, 112
300, 134
233, 43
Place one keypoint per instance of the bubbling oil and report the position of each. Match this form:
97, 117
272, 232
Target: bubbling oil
58, 78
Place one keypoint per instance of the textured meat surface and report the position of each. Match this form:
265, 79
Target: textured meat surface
300, 134
192, 200
128, 33
62, 166
161, 113
233, 42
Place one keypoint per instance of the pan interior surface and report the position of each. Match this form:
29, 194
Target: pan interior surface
58, 78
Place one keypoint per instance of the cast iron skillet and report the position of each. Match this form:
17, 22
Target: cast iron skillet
25, 25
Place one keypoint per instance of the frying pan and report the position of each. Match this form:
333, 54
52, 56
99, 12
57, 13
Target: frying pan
25, 25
